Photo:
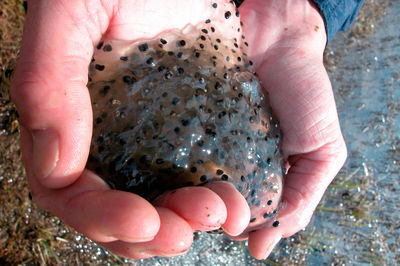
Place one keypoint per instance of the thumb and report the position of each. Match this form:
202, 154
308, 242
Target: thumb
49, 90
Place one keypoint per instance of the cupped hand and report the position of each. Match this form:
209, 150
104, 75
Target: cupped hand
49, 90
287, 40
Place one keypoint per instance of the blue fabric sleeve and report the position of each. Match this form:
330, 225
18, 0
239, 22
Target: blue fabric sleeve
338, 14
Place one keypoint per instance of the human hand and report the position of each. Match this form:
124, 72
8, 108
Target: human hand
287, 40
49, 89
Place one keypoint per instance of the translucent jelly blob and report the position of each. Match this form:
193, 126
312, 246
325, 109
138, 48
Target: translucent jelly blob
184, 109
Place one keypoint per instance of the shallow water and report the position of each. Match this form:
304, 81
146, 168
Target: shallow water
366, 85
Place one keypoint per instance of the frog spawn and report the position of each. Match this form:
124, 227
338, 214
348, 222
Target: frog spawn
184, 109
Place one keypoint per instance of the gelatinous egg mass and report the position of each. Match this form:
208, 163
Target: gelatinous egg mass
184, 109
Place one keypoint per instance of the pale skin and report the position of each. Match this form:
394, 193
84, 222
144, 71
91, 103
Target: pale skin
287, 40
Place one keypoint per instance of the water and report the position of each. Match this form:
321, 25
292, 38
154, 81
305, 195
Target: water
366, 85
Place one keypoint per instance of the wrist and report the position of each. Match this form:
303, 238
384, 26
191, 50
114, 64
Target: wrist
285, 23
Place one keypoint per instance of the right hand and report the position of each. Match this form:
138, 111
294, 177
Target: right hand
49, 90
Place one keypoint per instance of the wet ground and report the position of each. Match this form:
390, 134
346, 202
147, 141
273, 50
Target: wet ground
357, 222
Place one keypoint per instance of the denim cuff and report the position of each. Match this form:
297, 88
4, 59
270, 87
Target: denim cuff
338, 14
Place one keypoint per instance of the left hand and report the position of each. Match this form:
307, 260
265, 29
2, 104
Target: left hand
287, 39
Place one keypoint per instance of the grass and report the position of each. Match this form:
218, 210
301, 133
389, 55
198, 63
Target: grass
12, 15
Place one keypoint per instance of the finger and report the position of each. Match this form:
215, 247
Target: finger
263, 241
174, 237
241, 237
306, 182
203, 209
110, 215
238, 211
49, 89
102, 214
308, 177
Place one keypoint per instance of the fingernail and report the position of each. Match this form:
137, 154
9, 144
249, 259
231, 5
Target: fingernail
163, 253
158, 201
132, 240
45, 152
232, 233
162, 199
270, 247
